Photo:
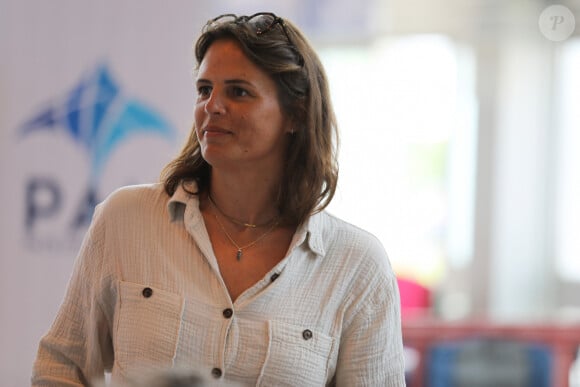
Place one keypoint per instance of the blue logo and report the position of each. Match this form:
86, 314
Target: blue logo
97, 116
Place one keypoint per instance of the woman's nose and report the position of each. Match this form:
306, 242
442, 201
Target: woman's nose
215, 104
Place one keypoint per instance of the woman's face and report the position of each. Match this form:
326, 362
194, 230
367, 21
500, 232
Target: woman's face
238, 118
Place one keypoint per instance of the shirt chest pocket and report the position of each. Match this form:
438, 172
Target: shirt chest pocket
297, 356
147, 327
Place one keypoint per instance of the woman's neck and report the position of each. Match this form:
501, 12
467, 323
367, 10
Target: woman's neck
250, 198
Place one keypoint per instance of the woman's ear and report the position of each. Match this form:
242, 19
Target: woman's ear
289, 126
294, 123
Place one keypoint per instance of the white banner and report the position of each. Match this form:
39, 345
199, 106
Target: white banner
93, 96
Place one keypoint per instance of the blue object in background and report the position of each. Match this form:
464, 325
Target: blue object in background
486, 362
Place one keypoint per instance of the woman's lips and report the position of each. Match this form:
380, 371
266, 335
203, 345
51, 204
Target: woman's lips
212, 131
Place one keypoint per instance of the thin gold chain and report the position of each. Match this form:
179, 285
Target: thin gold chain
240, 222
239, 248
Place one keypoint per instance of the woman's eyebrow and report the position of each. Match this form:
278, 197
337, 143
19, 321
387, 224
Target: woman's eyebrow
234, 81
238, 81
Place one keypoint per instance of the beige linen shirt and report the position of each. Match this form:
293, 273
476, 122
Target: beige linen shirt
146, 293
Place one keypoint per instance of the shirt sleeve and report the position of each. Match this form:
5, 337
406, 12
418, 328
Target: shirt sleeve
371, 349
78, 348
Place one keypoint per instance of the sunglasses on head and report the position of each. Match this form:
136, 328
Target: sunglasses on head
263, 22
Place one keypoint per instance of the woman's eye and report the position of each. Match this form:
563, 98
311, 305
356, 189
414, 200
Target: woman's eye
239, 92
203, 91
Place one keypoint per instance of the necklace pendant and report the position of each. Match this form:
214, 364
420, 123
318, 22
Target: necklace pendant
239, 254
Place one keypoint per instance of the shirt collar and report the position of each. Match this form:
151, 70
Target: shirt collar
181, 199
308, 234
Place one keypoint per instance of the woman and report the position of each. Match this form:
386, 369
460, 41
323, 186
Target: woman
231, 266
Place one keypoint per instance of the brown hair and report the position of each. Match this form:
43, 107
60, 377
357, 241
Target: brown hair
281, 50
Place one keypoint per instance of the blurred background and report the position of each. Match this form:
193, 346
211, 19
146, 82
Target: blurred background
459, 145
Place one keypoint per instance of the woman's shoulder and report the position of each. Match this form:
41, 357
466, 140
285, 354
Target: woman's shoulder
342, 232
133, 198
355, 246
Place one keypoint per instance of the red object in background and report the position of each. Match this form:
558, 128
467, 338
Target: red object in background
415, 299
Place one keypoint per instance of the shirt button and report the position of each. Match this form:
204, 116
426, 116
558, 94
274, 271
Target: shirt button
216, 373
307, 334
147, 292
274, 277
228, 313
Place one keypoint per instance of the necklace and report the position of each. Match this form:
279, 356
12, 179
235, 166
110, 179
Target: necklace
240, 222
239, 248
